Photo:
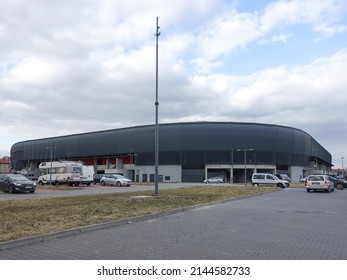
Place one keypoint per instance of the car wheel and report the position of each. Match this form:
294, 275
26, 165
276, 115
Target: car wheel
308, 190
339, 186
40, 183
118, 184
31, 191
255, 185
10, 189
102, 183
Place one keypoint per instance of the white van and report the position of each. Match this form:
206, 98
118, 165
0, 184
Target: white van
268, 179
87, 176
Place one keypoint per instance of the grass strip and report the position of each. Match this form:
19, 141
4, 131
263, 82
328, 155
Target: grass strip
30, 217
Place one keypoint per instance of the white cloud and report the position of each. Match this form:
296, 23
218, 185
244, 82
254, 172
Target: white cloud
228, 32
282, 38
294, 96
297, 11
328, 31
224, 34
33, 71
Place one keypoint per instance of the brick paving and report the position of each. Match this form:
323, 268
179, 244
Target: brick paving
286, 225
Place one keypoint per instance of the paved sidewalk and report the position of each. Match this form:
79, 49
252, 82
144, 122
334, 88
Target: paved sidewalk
289, 224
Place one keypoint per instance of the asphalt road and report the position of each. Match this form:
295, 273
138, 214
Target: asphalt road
286, 225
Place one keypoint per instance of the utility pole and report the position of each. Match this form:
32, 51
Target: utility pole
156, 133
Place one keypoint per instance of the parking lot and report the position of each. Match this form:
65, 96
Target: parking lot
93, 189
287, 225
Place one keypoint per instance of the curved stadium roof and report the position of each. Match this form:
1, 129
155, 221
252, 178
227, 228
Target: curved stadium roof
194, 143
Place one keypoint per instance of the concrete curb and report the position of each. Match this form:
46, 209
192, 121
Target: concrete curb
80, 230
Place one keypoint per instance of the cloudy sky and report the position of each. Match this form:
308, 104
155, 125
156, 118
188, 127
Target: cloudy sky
77, 66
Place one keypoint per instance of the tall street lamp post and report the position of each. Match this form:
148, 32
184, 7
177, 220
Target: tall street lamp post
156, 133
245, 159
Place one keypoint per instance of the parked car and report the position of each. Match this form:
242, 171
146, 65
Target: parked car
214, 180
16, 183
283, 177
97, 178
303, 179
339, 183
115, 180
319, 183
267, 179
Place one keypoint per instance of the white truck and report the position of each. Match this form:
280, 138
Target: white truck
60, 172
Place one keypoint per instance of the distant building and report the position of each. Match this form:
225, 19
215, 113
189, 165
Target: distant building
188, 152
5, 165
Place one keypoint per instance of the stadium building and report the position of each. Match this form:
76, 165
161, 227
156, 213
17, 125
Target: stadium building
188, 152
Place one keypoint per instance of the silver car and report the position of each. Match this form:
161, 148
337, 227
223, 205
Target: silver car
115, 180
319, 183
214, 180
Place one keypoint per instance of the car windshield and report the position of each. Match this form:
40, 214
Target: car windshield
17, 177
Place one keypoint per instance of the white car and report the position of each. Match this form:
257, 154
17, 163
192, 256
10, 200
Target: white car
115, 180
267, 179
319, 183
214, 180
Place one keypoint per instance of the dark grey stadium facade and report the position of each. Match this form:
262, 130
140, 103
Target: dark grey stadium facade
188, 152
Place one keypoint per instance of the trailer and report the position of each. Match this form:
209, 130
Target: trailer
60, 172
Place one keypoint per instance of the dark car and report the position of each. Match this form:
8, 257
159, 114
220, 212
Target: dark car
16, 183
339, 183
97, 178
284, 177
